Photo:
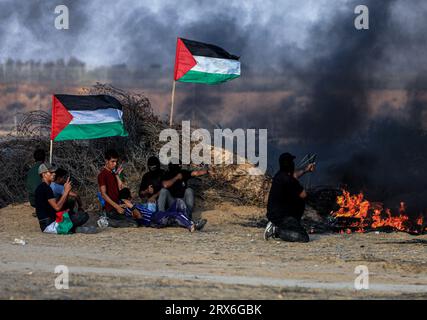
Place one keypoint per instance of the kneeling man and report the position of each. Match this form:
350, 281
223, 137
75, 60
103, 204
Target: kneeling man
286, 202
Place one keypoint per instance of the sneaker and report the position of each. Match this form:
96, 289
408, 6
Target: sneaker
102, 222
199, 225
87, 230
269, 231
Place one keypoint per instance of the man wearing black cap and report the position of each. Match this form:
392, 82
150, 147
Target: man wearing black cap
286, 202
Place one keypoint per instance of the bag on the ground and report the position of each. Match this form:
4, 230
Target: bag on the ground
64, 223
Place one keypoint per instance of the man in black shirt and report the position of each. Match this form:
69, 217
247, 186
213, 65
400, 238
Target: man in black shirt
286, 202
47, 205
33, 180
153, 177
175, 185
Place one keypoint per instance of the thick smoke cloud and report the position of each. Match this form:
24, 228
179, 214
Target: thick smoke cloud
142, 32
288, 36
27, 30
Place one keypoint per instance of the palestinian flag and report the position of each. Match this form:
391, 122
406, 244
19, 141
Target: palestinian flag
204, 63
86, 117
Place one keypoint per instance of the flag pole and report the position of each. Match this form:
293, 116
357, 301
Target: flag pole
50, 152
51, 128
173, 98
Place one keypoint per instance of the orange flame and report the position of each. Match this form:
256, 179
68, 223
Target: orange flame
365, 214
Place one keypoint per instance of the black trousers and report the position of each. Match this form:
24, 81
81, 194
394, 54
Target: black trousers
78, 219
120, 220
290, 229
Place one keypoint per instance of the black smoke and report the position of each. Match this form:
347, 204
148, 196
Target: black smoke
27, 29
330, 112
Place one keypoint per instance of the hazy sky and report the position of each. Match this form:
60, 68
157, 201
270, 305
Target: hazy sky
266, 34
138, 32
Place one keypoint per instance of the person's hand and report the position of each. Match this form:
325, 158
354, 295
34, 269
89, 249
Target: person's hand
67, 186
311, 167
136, 215
179, 176
120, 210
119, 170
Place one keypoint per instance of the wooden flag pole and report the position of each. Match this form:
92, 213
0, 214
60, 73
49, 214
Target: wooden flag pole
50, 152
173, 98
51, 128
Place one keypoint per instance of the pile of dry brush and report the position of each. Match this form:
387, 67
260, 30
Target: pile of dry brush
84, 158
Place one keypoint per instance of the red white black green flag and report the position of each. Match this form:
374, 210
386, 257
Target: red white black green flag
86, 117
204, 63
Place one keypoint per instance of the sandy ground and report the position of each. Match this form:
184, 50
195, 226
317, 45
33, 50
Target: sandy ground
227, 260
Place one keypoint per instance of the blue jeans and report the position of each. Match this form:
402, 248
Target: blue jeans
175, 215
165, 200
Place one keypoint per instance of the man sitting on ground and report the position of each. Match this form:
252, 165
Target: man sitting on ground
110, 184
48, 208
286, 202
57, 187
154, 176
175, 183
33, 180
147, 215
